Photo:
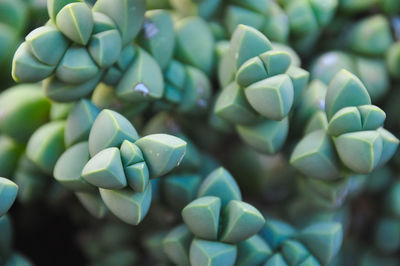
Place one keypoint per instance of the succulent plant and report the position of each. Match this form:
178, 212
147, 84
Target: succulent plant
199, 132
260, 88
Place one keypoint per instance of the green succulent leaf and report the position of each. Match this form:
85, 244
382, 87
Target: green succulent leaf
105, 170
233, 106
202, 217
68, 169
251, 71
242, 221
252, 251
47, 44
127, 14
360, 151
110, 129
137, 176
80, 121
46, 145
23, 108
276, 260
161, 152
60, 91
177, 243
345, 90
204, 252
158, 36
195, 49
129, 206
26, 68
105, 47
142, 81
266, 136
75, 21
323, 240
8, 194
76, 66
294, 252
220, 183
275, 232
247, 42
130, 153
271, 97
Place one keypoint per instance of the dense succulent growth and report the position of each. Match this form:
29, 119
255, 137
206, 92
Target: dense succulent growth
199, 132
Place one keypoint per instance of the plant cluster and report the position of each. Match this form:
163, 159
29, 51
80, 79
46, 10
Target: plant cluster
200, 132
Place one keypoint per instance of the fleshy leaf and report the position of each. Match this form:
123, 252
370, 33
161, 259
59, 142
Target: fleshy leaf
131, 207
271, 97
75, 21
195, 49
220, 183
389, 145
105, 170
247, 42
80, 121
127, 14
68, 169
233, 106
251, 71
46, 145
161, 152
158, 36
242, 221
176, 245
276, 62
202, 217
26, 68
130, 153
372, 116
105, 47
76, 66
8, 194
360, 151
323, 240
142, 81
203, 252
110, 129
253, 251
137, 176
267, 136
294, 252
275, 232
345, 90
23, 108
47, 44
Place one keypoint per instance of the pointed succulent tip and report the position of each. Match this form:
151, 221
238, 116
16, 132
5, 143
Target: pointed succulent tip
345, 90
202, 217
323, 240
161, 152
220, 183
271, 97
360, 151
105, 170
75, 21
110, 129
314, 156
128, 205
241, 221
247, 42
